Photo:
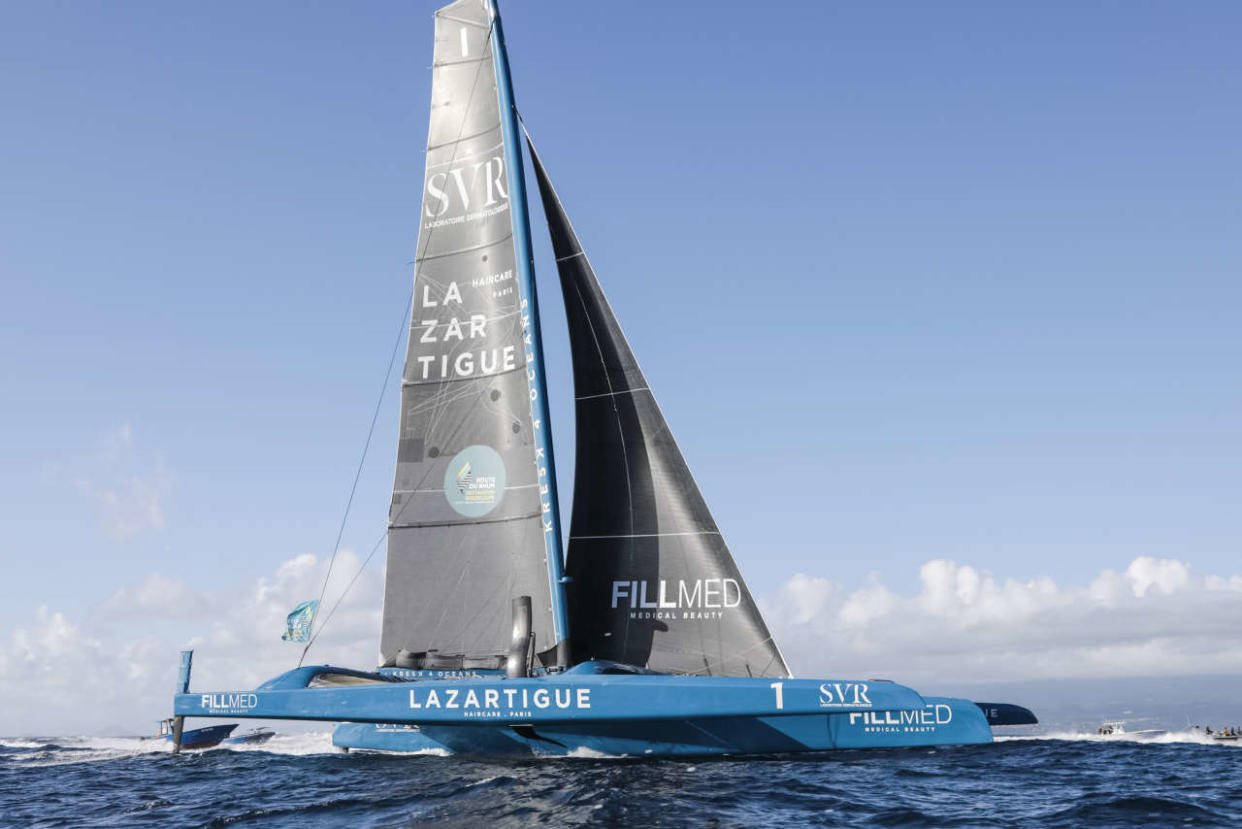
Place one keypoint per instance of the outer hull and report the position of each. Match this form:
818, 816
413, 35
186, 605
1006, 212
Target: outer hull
940, 722
384, 737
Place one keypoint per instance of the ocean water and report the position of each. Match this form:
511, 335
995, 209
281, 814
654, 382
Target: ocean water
1179, 779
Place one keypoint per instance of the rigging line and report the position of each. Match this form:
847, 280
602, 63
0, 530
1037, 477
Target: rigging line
344, 593
336, 547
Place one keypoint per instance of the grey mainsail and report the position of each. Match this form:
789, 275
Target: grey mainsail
653, 582
465, 531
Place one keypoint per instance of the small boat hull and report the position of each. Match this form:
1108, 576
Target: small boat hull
199, 739
255, 736
1116, 730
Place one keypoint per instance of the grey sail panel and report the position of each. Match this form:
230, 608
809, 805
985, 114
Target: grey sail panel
653, 582
465, 530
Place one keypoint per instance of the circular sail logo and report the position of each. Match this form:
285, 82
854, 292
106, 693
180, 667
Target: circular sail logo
474, 482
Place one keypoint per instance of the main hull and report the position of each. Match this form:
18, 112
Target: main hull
941, 721
601, 708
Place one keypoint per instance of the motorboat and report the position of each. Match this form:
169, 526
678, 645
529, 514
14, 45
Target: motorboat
196, 739
1117, 730
255, 736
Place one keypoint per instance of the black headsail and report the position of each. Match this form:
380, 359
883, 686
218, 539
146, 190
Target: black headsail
465, 529
653, 583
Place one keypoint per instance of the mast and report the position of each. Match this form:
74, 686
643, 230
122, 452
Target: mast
545, 460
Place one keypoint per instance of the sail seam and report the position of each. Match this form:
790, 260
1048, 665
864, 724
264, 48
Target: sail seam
440, 490
708, 665
525, 517
466, 22
467, 61
611, 393
461, 340
640, 535
456, 158
501, 240
447, 380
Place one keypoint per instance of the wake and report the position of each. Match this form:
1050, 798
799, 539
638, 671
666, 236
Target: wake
1189, 735
57, 751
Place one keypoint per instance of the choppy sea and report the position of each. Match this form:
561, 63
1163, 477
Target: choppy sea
1180, 779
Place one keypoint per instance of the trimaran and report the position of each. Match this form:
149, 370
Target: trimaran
648, 642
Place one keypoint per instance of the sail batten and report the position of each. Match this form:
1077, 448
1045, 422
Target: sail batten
653, 582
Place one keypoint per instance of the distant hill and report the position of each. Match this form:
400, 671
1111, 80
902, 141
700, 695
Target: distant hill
1143, 702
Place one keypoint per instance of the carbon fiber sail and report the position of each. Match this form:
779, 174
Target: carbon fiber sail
466, 533
653, 582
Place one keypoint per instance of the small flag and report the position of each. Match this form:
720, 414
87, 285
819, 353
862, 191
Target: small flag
298, 625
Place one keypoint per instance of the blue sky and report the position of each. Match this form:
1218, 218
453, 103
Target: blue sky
910, 281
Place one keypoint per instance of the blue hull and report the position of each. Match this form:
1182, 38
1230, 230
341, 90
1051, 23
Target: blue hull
384, 737
940, 722
599, 708
201, 738
256, 737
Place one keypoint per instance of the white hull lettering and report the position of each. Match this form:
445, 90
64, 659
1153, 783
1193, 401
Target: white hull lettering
229, 701
843, 695
903, 721
500, 701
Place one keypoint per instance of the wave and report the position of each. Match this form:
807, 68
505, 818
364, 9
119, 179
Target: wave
1132, 810
1064, 778
37, 752
291, 745
52, 751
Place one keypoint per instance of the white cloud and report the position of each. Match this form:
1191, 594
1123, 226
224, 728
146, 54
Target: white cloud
129, 490
1157, 618
113, 671
243, 646
155, 597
